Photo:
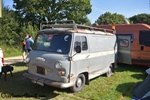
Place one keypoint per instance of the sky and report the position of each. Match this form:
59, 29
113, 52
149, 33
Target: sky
127, 8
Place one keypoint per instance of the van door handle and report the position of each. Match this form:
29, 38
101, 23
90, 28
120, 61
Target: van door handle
142, 48
87, 56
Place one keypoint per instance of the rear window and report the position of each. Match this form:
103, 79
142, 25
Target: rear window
144, 38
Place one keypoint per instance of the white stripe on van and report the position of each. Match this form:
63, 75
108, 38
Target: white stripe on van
92, 55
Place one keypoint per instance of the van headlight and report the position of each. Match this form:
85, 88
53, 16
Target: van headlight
27, 60
58, 66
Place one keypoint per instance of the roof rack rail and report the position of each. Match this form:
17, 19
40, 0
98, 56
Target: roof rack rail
70, 24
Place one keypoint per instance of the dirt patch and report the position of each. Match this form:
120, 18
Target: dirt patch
12, 60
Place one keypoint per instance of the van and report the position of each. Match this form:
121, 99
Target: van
68, 55
133, 43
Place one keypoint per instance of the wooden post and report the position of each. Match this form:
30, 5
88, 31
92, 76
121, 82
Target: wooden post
0, 8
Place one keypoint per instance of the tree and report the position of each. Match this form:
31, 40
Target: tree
88, 22
108, 18
11, 33
141, 18
8, 27
35, 10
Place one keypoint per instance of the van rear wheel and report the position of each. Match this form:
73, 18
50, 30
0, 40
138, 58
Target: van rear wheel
80, 82
109, 72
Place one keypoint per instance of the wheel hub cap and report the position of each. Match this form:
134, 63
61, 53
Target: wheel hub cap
79, 82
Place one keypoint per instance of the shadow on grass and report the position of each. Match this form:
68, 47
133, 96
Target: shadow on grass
126, 89
139, 74
131, 68
19, 86
19, 64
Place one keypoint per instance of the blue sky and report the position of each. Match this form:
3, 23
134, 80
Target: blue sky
128, 8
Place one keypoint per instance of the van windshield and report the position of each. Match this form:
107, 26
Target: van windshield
59, 43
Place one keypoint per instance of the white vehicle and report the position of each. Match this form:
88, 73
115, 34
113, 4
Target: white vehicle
69, 55
1, 59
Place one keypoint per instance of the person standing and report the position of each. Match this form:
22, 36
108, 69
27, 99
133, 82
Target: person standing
24, 49
29, 42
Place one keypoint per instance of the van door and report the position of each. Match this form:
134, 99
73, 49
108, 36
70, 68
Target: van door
124, 48
80, 60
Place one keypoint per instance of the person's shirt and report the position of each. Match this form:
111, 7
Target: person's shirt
29, 41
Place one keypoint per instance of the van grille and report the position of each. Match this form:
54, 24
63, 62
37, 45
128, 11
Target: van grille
40, 70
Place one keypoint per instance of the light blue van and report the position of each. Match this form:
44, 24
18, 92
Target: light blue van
67, 55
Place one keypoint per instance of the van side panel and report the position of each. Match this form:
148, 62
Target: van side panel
102, 53
98, 58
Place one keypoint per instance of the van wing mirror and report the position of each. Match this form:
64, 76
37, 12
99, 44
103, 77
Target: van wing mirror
78, 49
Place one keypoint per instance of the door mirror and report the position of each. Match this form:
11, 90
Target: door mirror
78, 49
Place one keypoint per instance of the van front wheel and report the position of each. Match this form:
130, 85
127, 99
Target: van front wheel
80, 82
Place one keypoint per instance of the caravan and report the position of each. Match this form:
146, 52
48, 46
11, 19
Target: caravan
67, 55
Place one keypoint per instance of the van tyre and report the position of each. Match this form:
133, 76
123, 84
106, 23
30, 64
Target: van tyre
109, 72
80, 82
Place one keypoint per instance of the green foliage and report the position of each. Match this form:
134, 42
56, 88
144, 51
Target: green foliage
28, 30
88, 22
12, 33
11, 51
108, 18
8, 27
35, 10
141, 18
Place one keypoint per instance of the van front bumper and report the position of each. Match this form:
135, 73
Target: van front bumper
41, 81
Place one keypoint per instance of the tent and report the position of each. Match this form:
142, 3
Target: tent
142, 89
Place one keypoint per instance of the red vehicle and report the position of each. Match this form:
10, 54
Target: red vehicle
133, 43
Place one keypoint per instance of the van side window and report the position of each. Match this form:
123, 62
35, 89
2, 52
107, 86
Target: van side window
84, 43
144, 38
77, 41
123, 43
81, 41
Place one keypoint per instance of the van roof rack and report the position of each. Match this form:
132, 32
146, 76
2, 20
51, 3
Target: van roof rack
70, 24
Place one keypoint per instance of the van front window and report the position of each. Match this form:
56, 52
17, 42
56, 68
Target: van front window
59, 43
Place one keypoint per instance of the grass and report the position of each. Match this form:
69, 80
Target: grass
11, 51
117, 87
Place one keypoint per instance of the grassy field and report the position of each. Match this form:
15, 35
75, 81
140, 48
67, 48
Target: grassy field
11, 51
117, 87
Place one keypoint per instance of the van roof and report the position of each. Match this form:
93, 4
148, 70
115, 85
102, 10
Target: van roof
71, 26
